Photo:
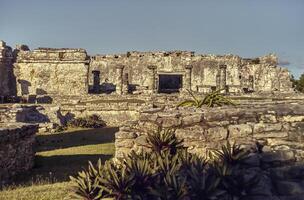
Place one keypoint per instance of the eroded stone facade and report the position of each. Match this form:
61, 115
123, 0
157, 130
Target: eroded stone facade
50, 71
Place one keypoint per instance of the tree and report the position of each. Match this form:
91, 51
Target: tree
298, 84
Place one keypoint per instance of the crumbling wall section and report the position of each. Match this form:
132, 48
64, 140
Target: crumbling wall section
16, 149
263, 74
7, 80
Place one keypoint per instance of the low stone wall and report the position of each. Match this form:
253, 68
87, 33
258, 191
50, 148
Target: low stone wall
16, 149
268, 128
273, 133
48, 116
113, 112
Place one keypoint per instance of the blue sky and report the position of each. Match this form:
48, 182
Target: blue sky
248, 28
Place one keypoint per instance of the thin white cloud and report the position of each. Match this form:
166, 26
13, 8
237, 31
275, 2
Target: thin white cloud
284, 62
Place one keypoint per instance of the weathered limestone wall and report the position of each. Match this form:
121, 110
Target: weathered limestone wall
277, 127
267, 76
200, 72
113, 113
16, 149
51, 71
7, 81
48, 116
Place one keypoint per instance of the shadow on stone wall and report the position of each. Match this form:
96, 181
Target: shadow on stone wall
24, 85
104, 88
31, 115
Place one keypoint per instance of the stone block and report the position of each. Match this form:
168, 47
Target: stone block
124, 143
216, 133
169, 122
271, 134
263, 127
291, 118
190, 134
268, 118
191, 119
125, 135
241, 130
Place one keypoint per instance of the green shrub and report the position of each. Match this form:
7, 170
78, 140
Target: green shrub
92, 121
168, 172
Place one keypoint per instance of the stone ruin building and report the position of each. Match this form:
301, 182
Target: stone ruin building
42, 89
50, 71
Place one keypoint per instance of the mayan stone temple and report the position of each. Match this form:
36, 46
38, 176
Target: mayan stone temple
41, 90
48, 71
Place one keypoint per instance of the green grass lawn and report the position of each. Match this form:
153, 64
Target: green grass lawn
59, 156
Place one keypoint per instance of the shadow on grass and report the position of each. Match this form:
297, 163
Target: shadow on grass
57, 168
61, 155
75, 138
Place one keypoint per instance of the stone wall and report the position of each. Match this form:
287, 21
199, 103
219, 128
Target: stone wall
278, 127
46, 71
49, 116
16, 149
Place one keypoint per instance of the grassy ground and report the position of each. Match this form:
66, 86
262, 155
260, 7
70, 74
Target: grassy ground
59, 156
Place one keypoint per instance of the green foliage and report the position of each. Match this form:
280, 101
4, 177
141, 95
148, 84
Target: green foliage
298, 84
164, 140
87, 183
92, 121
230, 155
210, 100
194, 102
216, 98
168, 172
116, 181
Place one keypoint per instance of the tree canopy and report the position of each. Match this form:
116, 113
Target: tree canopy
298, 84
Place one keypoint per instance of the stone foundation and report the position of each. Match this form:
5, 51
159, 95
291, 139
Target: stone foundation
16, 149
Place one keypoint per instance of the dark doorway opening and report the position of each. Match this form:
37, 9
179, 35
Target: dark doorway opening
170, 83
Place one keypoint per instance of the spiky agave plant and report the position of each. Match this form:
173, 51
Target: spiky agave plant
216, 98
141, 167
194, 102
211, 99
230, 155
202, 183
169, 184
164, 140
116, 181
87, 184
